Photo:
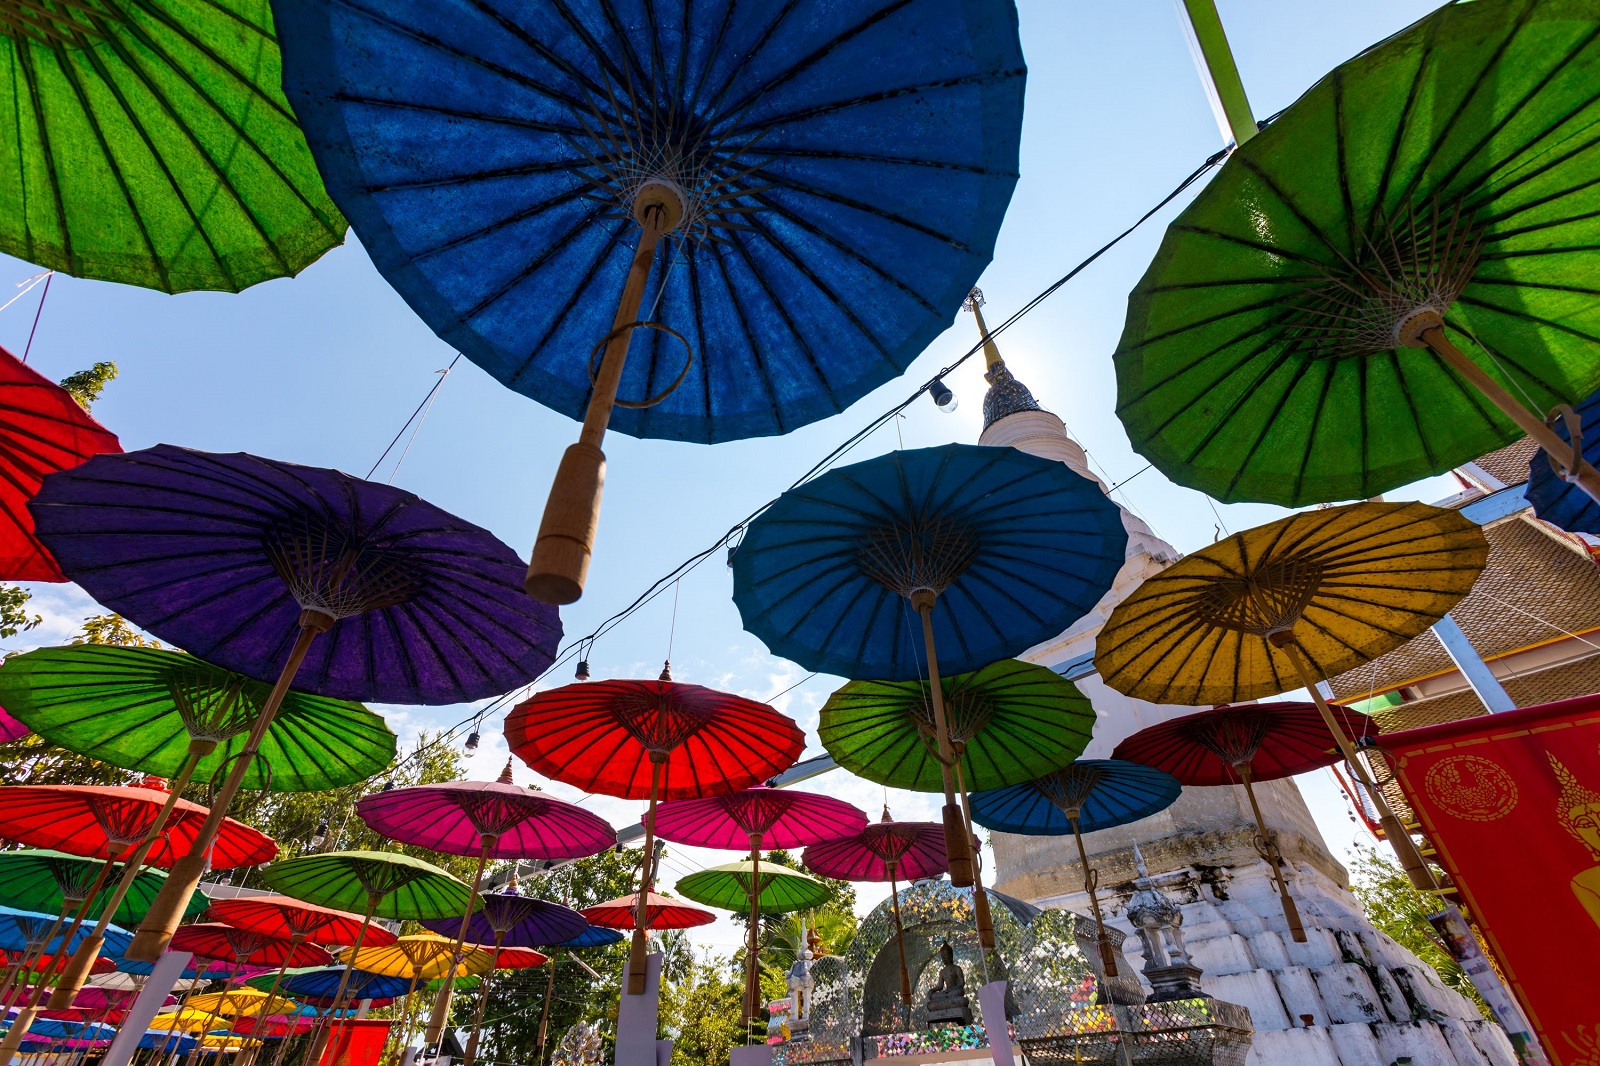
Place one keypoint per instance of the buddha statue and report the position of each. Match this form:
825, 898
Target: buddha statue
947, 1000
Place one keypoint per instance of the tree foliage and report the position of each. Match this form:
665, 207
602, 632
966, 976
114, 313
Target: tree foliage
1394, 906
85, 386
705, 1015
14, 617
34, 760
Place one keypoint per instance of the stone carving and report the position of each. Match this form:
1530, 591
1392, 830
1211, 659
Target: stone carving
580, 1046
1167, 966
947, 1000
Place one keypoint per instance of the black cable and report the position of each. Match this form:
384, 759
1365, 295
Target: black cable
414, 414
684, 568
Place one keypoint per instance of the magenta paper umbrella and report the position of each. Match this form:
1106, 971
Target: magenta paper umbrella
10, 728
755, 818
885, 851
489, 819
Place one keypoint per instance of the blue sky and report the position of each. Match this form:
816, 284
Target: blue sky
323, 369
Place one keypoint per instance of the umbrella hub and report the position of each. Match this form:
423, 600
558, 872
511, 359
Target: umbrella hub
647, 153
966, 711
660, 721
926, 555
1069, 788
55, 22
215, 705
379, 878
494, 814
1265, 599
73, 878
332, 572
1414, 262
1234, 739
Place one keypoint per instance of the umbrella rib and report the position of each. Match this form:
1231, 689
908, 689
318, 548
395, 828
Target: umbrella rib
750, 335
788, 320
25, 63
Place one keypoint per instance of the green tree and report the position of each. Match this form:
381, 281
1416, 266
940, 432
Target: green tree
708, 1022
86, 385
14, 617
113, 630
36, 761
1393, 905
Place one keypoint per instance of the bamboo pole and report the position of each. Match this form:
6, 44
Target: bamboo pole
641, 915
441, 1003
956, 834
1090, 879
166, 911
565, 543
899, 934
1269, 849
89, 948
484, 983
980, 899
751, 980
1427, 327
1399, 839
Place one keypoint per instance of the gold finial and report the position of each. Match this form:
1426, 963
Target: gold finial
974, 303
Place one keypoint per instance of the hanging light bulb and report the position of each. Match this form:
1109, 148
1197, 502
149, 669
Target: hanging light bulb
583, 670
472, 741
943, 398
320, 837
388, 786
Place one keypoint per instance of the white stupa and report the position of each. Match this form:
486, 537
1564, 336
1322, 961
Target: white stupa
1349, 996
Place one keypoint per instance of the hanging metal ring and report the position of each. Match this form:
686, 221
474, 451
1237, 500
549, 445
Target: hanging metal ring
688, 361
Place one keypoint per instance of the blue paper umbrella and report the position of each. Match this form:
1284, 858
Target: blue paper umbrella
322, 982
1088, 795
793, 198
995, 550
23, 930
1563, 503
595, 936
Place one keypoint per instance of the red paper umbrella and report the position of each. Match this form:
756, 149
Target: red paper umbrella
1243, 744
651, 740
42, 430
885, 851
299, 923
515, 958
661, 912
105, 821
51, 963
277, 1025
489, 819
756, 818
290, 919
214, 940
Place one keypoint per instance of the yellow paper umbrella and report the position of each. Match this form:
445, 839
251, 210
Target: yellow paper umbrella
184, 1021
242, 1003
1292, 603
425, 956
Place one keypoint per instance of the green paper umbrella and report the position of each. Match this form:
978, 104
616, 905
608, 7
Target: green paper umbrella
728, 887
43, 880
1422, 218
384, 883
381, 884
1012, 722
151, 710
149, 142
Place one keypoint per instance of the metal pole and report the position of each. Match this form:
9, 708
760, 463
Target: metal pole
1472, 666
1218, 56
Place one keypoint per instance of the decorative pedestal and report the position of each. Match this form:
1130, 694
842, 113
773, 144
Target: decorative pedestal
1189, 1032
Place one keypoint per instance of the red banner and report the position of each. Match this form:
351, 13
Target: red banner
355, 1043
1512, 803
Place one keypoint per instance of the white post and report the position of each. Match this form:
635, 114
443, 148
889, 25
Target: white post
636, 1018
992, 1005
163, 976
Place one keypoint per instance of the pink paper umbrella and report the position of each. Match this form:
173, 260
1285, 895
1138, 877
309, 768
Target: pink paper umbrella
885, 851
489, 819
755, 818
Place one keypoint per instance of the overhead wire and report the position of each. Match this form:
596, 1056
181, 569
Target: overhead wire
677, 573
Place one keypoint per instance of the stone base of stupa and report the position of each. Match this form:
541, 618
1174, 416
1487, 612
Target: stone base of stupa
1349, 996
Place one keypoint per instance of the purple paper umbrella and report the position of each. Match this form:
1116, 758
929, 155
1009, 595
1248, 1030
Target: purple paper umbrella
245, 562
489, 819
510, 920
751, 820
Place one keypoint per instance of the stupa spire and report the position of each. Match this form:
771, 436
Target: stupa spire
1006, 395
